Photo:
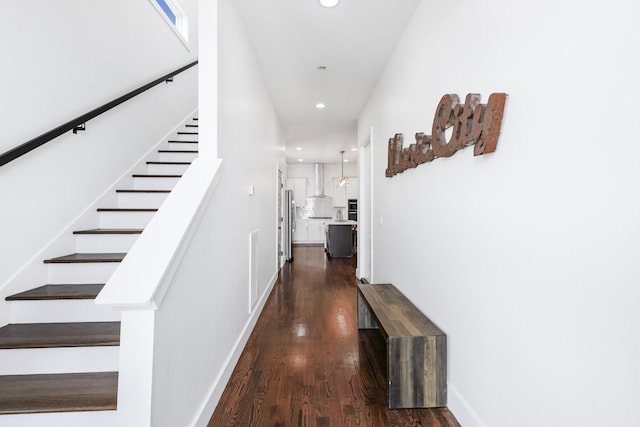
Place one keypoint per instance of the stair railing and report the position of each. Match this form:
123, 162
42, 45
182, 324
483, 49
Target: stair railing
79, 123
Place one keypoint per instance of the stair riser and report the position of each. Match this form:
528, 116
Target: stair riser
177, 157
48, 311
183, 145
58, 360
81, 272
154, 183
66, 419
180, 137
167, 169
97, 243
141, 200
125, 219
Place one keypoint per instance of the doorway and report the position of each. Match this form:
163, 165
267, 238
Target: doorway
280, 220
365, 214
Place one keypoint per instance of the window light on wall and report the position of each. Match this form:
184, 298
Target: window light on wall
172, 13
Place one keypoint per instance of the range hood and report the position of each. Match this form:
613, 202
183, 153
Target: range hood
318, 181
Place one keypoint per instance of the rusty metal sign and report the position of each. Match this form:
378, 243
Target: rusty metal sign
473, 124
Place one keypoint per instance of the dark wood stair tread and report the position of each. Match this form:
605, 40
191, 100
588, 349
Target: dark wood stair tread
177, 141
110, 231
140, 175
168, 163
143, 191
41, 393
191, 126
187, 133
58, 292
127, 209
86, 257
55, 335
177, 151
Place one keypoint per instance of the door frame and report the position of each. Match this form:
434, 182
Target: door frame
365, 209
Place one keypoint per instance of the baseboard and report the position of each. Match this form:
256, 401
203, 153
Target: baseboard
461, 409
203, 416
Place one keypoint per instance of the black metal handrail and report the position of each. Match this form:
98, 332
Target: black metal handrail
78, 123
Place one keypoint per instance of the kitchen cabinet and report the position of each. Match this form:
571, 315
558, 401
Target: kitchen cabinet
309, 231
340, 239
339, 194
353, 189
316, 231
300, 232
299, 188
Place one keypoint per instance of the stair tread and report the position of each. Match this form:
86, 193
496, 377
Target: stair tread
168, 163
146, 175
175, 141
143, 191
127, 209
191, 126
86, 257
187, 133
42, 393
57, 292
55, 335
177, 151
110, 231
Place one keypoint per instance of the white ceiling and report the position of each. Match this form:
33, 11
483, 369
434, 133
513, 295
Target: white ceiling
354, 40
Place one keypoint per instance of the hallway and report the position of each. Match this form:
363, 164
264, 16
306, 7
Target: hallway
306, 364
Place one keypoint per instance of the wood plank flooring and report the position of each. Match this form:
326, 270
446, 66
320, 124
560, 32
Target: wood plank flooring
306, 363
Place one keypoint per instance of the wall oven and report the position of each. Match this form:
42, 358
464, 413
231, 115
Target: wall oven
352, 209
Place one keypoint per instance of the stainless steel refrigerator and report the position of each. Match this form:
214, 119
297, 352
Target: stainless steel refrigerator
289, 224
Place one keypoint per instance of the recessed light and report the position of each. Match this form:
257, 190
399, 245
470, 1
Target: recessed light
346, 160
354, 149
320, 105
298, 148
329, 3
301, 160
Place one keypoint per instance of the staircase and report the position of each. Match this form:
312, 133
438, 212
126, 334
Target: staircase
59, 354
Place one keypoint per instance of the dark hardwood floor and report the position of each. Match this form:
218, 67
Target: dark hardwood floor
306, 363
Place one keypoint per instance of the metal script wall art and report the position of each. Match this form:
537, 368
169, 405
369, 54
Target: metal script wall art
473, 124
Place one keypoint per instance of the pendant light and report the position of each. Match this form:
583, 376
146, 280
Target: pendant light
344, 181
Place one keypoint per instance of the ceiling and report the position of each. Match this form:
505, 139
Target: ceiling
353, 40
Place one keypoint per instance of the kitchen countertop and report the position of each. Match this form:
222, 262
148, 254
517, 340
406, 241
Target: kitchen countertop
348, 222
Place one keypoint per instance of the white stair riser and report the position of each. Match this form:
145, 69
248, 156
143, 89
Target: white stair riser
66, 419
180, 137
183, 145
177, 157
154, 183
58, 360
141, 200
167, 169
97, 243
49, 311
125, 219
90, 272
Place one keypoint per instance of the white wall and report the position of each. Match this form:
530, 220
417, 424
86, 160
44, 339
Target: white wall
204, 321
527, 257
63, 59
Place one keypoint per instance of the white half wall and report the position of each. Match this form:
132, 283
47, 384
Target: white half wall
526, 257
196, 349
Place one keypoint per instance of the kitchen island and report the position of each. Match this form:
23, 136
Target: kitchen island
340, 238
